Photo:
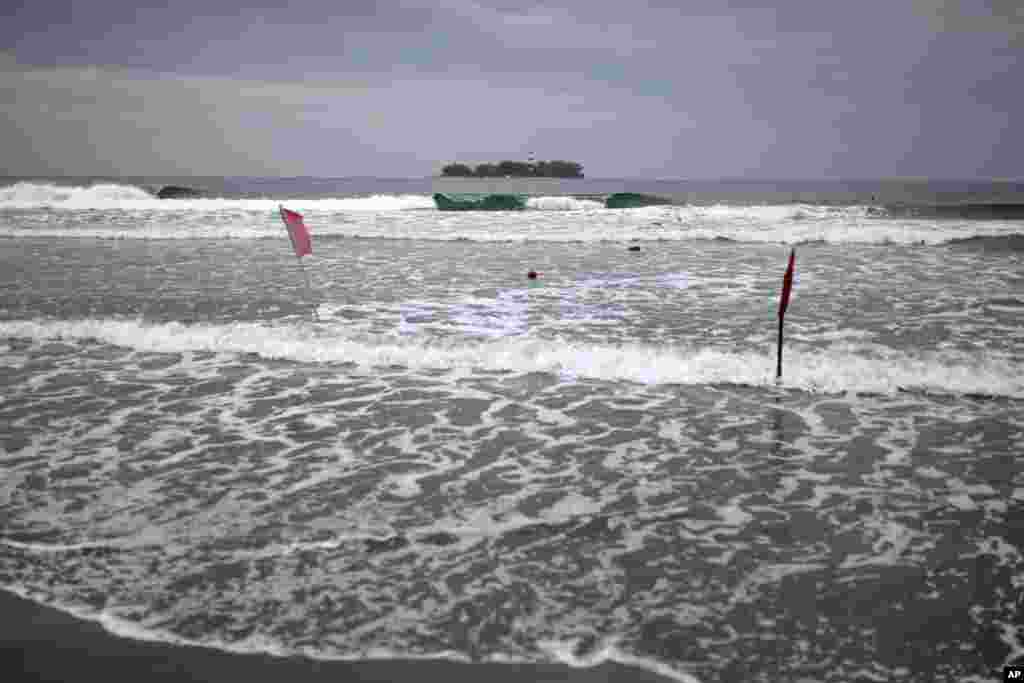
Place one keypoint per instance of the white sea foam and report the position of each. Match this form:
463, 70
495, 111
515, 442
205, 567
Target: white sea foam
126, 628
121, 627
28, 195
838, 368
566, 653
562, 204
59, 547
128, 212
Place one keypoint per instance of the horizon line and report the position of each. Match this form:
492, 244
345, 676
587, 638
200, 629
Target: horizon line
682, 179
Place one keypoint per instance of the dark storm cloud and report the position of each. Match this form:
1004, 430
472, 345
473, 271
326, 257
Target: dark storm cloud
400, 87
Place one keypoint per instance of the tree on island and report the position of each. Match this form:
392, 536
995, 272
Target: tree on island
457, 170
516, 169
486, 171
558, 169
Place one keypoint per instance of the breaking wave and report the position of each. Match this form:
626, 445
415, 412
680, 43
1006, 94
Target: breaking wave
980, 212
844, 366
563, 204
112, 211
29, 195
32, 195
1011, 242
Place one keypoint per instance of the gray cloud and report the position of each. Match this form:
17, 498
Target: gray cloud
401, 87
548, 27
222, 125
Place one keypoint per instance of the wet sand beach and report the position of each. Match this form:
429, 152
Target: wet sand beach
38, 643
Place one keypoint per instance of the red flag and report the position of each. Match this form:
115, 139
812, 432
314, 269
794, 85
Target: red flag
787, 284
297, 232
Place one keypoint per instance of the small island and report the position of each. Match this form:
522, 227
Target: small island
515, 169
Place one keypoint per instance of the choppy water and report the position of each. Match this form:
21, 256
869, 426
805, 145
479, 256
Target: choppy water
456, 462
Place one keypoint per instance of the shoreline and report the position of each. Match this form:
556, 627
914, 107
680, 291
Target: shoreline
39, 643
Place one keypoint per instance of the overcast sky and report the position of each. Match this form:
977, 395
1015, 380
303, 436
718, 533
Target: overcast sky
692, 89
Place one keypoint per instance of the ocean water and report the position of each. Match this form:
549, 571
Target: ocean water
450, 460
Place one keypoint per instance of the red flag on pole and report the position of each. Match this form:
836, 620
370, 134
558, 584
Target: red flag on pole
297, 231
787, 284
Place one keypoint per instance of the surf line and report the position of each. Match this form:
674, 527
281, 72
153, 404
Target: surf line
787, 287
302, 245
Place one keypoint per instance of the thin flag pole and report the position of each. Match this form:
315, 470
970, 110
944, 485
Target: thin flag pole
778, 367
309, 290
787, 286
302, 266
